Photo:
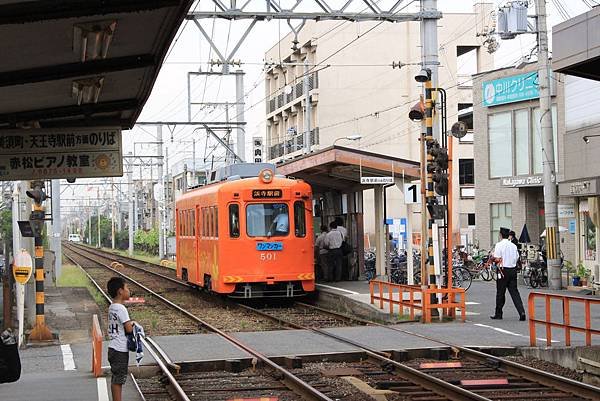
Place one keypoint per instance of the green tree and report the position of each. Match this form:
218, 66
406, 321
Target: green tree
6, 225
146, 241
105, 231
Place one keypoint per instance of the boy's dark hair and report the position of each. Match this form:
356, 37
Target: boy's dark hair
333, 224
504, 232
113, 286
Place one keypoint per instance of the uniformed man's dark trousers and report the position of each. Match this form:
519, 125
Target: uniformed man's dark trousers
508, 280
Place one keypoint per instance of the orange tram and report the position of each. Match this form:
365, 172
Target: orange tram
249, 236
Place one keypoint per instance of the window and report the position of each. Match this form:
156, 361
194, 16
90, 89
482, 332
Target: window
204, 223
234, 221
299, 219
501, 216
216, 221
466, 175
590, 238
500, 141
267, 219
522, 157
211, 227
471, 219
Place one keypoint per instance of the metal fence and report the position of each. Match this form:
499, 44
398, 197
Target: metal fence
281, 99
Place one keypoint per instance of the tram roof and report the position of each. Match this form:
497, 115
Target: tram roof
53, 49
340, 168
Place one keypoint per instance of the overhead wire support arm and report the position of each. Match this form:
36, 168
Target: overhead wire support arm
268, 10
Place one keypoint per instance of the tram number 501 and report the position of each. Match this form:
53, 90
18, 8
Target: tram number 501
268, 256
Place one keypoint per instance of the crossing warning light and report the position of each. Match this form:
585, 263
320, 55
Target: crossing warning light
22, 267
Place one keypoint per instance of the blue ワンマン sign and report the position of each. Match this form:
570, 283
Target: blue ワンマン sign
515, 88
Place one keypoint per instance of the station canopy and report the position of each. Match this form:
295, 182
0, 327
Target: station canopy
68, 63
341, 168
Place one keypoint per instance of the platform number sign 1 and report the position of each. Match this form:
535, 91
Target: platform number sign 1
412, 193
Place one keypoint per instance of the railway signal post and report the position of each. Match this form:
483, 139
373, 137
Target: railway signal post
40, 332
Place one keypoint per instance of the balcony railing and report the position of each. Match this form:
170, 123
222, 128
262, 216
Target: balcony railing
281, 99
293, 144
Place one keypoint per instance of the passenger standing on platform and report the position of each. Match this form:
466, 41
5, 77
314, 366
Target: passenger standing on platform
119, 324
341, 228
333, 243
506, 255
321, 254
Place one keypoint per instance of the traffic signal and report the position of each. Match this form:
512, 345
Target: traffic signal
438, 168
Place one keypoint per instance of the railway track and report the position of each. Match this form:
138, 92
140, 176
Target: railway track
496, 378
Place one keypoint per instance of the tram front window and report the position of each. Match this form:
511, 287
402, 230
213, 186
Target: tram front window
267, 220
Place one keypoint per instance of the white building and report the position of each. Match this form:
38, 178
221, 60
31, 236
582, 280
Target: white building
355, 90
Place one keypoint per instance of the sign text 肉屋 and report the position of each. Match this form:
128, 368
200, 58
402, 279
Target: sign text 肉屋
376, 180
515, 88
60, 153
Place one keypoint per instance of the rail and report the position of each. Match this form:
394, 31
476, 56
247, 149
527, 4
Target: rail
567, 325
96, 347
418, 299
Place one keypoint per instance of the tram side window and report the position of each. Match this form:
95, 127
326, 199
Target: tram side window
204, 222
234, 221
210, 222
216, 209
299, 219
183, 222
193, 223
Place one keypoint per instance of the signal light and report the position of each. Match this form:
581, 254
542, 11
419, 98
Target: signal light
438, 168
37, 195
417, 112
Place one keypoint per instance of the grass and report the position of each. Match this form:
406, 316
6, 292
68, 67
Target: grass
72, 276
146, 257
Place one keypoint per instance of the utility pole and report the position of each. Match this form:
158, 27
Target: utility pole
239, 106
98, 222
131, 209
549, 166
194, 182
307, 110
112, 213
161, 196
56, 227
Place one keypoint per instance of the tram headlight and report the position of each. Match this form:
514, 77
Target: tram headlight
266, 176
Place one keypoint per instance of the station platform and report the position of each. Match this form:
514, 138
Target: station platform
480, 305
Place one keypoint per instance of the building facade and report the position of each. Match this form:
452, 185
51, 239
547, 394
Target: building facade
356, 92
509, 154
575, 51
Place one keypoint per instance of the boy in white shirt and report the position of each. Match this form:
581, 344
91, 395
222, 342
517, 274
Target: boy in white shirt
119, 324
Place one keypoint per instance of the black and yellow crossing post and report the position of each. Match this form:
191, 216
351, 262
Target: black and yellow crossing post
40, 332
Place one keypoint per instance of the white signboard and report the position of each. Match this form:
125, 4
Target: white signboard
60, 153
376, 180
566, 211
412, 193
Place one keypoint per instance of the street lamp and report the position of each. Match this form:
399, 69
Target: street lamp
586, 138
355, 137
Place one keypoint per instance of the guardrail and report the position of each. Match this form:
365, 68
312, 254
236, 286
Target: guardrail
566, 302
96, 347
422, 302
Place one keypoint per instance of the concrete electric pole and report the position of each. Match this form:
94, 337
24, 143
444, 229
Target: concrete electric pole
549, 166
308, 109
239, 109
161, 195
131, 218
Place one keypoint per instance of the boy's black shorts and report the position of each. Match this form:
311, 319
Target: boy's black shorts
118, 365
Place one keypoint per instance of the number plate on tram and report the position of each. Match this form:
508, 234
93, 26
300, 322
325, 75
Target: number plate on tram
269, 246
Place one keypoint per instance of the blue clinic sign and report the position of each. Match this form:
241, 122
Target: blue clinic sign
515, 88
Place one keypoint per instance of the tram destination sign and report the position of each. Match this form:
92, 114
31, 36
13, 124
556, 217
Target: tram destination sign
266, 194
60, 153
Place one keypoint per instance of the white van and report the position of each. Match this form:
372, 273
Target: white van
74, 238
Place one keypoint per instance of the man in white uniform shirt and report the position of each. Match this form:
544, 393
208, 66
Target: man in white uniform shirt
506, 256
281, 224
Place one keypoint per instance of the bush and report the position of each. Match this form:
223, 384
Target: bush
146, 241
